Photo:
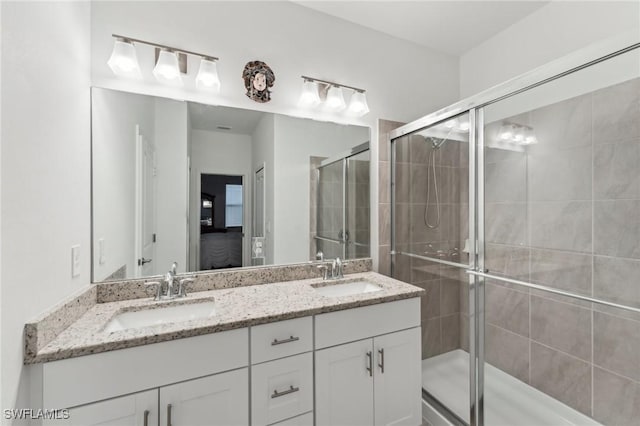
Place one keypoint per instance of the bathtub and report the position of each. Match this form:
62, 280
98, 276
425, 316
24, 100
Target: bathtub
507, 400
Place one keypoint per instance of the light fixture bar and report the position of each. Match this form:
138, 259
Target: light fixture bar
162, 46
330, 83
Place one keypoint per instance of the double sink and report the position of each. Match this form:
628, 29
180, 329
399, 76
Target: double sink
156, 315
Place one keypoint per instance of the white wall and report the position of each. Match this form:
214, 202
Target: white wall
264, 154
45, 181
172, 193
551, 32
114, 120
295, 141
223, 154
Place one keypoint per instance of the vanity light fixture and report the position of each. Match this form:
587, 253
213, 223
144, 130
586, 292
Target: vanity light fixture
123, 60
309, 96
316, 91
207, 77
167, 69
171, 63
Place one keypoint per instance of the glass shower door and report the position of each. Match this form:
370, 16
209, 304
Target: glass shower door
431, 249
357, 206
331, 210
561, 209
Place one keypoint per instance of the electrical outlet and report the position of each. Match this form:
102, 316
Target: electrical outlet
75, 261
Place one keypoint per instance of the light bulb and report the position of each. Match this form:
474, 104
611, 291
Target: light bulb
464, 126
518, 137
529, 137
123, 60
358, 104
167, 69
309, 96
506, 132
335, 100
450, 124
207, 77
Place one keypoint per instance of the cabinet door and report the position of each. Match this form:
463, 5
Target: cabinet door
130, 410
398, 378
344, 386
219, 400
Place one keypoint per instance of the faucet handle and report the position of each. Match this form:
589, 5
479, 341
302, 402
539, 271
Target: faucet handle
158, 285
325, 271
182, 290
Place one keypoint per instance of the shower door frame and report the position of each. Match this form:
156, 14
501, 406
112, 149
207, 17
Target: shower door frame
344, 158
475, 270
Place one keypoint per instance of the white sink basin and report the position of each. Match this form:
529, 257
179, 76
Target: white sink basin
347, 289
159, 316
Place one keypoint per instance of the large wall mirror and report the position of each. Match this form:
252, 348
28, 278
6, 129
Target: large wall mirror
213, 187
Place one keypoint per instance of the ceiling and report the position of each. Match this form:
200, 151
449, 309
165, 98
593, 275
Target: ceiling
209, 117
452, 27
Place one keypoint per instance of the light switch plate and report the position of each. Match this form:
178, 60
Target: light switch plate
75, 261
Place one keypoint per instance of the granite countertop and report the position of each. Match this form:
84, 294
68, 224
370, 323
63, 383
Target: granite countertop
234, 308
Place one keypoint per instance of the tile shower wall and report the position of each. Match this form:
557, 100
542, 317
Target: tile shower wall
565, 213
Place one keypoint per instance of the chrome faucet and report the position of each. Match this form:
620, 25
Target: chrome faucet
169, 280
336, 269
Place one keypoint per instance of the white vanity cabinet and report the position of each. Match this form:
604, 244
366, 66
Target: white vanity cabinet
282, 373
204, 378
371, 381
219, 400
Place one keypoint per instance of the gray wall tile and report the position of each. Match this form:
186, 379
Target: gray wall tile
616, 228
617, 280
506, 223
562, 125
560, 175
615, 112
562, 376
507, 308
616, 400
561, 225
507, 351
561, 326
615, 172
450, 332
617, 344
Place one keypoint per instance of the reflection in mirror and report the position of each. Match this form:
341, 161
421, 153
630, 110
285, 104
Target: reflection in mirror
215, 187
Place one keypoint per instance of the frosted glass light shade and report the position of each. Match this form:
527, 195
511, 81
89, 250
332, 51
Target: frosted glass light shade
309, 96
207, 77
358, 104
167, 69
335, 99
124, 61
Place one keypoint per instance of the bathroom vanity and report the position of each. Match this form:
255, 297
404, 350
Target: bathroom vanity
296, 352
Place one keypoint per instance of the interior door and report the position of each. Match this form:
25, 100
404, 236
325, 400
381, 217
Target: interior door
344, 385
145, 205
219, 400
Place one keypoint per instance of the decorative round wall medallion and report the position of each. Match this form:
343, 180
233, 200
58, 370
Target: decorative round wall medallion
258, 79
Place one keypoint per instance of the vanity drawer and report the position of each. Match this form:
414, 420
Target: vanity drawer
281, 389
303, 420
349, 325
281, 339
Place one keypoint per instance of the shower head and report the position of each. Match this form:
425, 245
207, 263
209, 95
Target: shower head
437, 143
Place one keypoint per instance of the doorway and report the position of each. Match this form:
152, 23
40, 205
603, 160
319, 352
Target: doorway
221, 221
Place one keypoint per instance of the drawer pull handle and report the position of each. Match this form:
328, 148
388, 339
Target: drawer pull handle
146, 417
277, 394
169, 415
289, 340
370, 363
381, 363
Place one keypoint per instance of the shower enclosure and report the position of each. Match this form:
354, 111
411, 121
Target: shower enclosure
518, 211
342, 205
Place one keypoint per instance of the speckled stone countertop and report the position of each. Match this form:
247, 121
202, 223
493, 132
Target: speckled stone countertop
234, 308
